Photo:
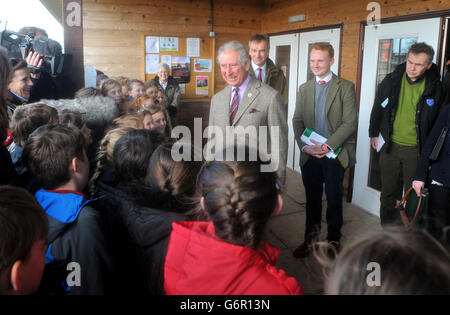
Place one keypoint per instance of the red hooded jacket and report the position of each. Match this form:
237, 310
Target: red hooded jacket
199, 263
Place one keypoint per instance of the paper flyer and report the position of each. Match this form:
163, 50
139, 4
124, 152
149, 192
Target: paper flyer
202, 65
152, 45
309, 134
181, 69
193, 47
167, 59
202, 85
151, 64
168, 43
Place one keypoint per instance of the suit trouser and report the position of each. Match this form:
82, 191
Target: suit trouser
315, 173
397, 169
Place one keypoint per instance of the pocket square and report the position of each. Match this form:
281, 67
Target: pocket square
254, 110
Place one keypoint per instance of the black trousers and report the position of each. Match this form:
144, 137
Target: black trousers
438, 210
315, 174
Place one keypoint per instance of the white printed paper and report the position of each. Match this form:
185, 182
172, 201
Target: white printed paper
193, 47
151, 64
168, 44
381, 142
309, 134
167, 59
152, 44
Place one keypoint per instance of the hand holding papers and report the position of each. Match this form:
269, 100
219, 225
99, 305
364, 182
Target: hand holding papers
312, 138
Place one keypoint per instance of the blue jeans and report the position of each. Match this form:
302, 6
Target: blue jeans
315, 173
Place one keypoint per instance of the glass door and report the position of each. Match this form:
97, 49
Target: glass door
284, 53
385, 47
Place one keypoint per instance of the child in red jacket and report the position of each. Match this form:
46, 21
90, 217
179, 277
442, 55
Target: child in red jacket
228, 254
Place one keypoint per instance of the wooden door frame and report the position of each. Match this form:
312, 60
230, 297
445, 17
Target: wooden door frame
73, 39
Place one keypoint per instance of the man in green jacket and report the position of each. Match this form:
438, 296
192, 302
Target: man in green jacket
263, 69
326, 104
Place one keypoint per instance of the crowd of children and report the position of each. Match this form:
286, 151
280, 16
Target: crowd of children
131, 220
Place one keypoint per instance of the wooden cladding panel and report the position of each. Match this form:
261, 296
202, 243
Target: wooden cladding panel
114, 29
349, 12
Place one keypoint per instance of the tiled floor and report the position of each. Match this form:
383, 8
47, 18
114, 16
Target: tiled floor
286, 231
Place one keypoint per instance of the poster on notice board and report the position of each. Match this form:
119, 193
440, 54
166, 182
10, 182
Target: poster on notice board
181, 69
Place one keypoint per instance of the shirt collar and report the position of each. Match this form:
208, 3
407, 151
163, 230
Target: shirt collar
256, 67
327, 78
243, 86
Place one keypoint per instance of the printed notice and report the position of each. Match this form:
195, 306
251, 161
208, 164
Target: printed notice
193, 47
202, 85
167, 59
152, 44
151, 64
202, 65
168, 43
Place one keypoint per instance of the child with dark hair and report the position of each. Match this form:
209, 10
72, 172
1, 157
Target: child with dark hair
23, 231
130, 160
147, 206
408, 262
24, 121
228, 254
56, 156
73, 118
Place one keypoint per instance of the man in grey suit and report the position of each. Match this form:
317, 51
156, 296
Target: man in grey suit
327, 104
249, 108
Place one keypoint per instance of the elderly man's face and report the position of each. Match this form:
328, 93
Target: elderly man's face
233, 72
163, 74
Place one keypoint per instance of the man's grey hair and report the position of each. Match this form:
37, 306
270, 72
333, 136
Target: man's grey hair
259, 38
236, 46
419, 48
164, 65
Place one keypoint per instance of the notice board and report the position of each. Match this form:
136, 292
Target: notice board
181, 52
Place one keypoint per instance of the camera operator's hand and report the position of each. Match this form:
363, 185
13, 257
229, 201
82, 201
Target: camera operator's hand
34, 61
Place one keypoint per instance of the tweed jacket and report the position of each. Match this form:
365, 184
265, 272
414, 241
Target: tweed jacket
341, 117
260, 106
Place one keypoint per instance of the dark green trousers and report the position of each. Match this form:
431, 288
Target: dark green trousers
397, 169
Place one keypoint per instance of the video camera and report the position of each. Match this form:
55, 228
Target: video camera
19, 46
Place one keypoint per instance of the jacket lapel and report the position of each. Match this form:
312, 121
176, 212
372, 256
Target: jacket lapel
332, 91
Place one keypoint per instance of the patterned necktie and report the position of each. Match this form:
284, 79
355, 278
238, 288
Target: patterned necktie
260, 74
234, 105
321, 82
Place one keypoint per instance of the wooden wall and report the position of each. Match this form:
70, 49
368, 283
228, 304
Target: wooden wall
114, 29
349, 12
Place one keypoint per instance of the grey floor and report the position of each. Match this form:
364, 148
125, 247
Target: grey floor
286, 231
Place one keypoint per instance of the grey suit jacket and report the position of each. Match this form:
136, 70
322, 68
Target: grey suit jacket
341, 115
260, 105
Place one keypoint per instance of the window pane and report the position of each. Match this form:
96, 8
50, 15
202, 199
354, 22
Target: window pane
283, 61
